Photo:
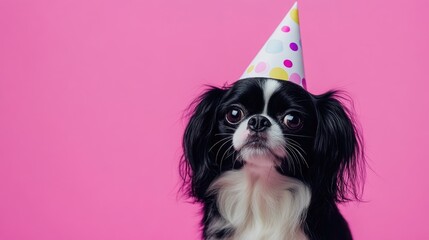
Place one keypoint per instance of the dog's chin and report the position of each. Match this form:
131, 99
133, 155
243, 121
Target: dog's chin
258, 154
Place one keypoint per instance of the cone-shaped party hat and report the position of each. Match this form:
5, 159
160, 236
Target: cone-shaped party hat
281, 56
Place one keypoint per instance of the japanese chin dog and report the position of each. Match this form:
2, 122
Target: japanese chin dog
270, 161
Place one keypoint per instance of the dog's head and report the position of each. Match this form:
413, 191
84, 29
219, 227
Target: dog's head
263, 123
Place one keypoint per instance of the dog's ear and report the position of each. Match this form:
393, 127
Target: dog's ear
337, 149
197, 170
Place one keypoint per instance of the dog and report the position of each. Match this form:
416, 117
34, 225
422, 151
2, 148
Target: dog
269, 160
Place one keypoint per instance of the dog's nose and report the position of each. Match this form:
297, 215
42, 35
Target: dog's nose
258, 123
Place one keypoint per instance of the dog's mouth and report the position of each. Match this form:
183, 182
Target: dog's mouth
256, 141
257, 148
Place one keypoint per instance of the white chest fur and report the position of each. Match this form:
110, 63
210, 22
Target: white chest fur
261, 205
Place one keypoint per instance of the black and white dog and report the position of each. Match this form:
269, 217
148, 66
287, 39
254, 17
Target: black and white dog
269, 160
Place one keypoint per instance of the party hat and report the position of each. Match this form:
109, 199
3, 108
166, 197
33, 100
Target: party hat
281, 56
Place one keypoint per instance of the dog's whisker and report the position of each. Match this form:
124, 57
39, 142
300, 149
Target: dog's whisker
221, 140
228, 134
289, 156
279, 164
231, 152
296, 160
223, 156
297, 135
230, 128
292, 157
294, 144
298, 156
220, 148
235, 159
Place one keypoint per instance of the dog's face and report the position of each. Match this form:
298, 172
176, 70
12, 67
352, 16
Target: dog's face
263, 123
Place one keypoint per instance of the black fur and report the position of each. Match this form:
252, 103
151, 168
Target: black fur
332, 148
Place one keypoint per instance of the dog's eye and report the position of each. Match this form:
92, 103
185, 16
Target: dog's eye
234, 115
292, 121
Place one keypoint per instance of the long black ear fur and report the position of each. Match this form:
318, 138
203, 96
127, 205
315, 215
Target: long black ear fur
196, 169
338, 149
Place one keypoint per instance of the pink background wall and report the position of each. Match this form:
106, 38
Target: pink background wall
92, 92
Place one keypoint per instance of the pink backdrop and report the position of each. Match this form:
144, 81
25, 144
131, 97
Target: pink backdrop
92, 92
